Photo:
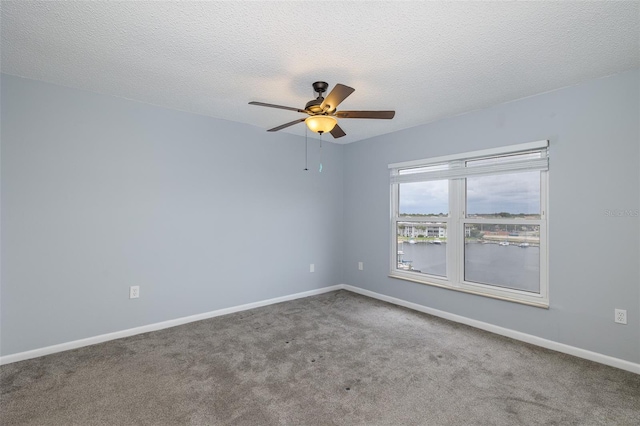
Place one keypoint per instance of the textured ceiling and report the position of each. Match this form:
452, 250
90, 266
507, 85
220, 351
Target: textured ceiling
426, 60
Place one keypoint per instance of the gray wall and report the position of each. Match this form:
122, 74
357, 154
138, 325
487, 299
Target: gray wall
100, 193
593, 130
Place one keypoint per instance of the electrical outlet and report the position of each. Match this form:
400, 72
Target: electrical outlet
134, 292
360, 266
620, 316
312, 268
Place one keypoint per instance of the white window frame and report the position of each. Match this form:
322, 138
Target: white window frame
457, 219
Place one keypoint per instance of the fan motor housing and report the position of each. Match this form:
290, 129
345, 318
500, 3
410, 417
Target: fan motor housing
314, 105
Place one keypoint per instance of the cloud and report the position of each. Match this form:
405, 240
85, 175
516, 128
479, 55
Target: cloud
425, 197
512, 193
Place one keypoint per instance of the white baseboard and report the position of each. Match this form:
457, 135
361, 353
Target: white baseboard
517, 335
21, 356
524, 337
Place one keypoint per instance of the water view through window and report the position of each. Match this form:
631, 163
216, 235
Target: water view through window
498, 254
423, 257
503, 265
474, 222
513, 265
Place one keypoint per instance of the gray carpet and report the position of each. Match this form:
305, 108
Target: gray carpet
334, 359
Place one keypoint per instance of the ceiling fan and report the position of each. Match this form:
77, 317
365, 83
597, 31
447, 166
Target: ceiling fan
322, 113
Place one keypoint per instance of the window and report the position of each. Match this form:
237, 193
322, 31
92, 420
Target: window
474, 222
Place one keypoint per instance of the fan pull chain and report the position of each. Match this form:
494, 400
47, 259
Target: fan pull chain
306, 150
320, 169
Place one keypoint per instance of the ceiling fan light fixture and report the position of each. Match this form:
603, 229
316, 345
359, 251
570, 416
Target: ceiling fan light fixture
321, 123
322, 111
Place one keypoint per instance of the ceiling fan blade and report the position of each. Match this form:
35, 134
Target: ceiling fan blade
277, 106
366, 114
337, 95
337, 132
291, 123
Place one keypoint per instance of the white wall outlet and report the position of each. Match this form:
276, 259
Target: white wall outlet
312, 268
134, 292
620, 316
360, 266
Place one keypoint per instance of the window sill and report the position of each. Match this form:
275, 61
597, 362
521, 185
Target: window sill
535, 303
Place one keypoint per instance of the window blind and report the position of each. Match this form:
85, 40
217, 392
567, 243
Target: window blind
506, 162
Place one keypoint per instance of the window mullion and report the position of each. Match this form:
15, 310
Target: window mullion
453, 256
393, 260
